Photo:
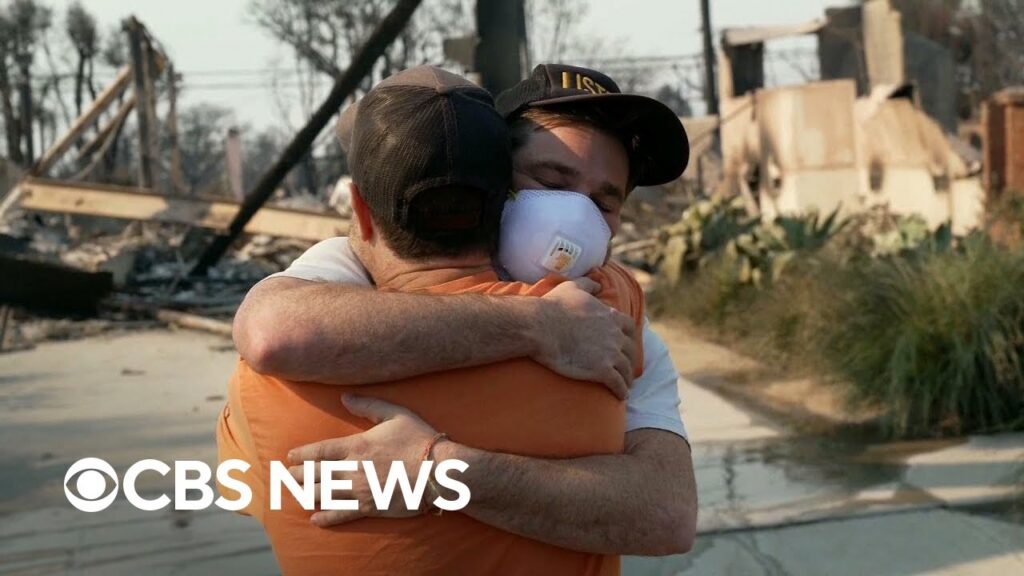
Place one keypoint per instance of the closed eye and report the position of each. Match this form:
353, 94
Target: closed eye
550, 184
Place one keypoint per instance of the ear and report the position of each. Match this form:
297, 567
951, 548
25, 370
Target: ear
361, 212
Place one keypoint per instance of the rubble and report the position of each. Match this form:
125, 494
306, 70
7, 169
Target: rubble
129, 254
860, 137
135, 274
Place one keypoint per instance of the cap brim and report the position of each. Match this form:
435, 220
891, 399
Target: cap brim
663, 147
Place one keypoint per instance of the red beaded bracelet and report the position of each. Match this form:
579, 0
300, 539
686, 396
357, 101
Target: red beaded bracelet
430, 479
430, 445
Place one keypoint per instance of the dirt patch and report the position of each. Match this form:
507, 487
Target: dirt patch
803, 402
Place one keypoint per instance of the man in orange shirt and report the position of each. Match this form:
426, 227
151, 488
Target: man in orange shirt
427, 222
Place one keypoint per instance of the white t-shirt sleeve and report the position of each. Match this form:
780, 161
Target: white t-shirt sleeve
330, 260
654, 400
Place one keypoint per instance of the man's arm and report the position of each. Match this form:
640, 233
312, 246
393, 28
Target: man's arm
641, 502
344, 334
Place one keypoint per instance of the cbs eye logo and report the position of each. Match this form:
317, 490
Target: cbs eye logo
90, 478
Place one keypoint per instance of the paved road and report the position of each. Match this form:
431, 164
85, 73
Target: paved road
121, 398
771, 503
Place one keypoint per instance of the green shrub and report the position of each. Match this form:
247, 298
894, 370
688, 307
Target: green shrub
938, 337
1005, 217
709, 298
925, 325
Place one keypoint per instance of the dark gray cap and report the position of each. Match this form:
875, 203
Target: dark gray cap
423, 129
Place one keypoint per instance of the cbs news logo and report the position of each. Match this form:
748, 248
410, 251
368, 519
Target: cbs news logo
91, 485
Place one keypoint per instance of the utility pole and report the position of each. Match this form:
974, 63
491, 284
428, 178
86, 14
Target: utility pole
710, 90
502, 55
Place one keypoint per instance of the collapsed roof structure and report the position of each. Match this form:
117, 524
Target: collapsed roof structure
874, 130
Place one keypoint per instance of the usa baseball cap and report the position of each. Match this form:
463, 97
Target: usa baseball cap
424, 129
655, 138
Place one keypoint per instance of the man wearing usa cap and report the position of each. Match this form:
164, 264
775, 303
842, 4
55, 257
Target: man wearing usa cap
571, 129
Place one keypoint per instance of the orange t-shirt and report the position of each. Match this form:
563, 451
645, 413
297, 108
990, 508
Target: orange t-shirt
516, 406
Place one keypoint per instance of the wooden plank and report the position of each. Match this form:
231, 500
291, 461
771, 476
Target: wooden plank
150, 70
101, 137
194, 322
139, 56
139, 204
82, 122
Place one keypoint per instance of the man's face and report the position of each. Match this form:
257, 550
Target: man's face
577, 158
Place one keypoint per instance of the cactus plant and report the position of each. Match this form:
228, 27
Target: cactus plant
759, 250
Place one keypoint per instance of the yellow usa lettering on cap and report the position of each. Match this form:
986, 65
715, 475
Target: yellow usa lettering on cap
583, 83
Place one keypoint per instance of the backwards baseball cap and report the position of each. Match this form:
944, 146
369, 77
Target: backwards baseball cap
655, 138
421, 130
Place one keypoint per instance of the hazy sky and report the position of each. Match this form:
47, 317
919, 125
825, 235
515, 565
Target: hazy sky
209, 35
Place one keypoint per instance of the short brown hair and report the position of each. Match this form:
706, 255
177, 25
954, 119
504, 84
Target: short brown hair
531, 120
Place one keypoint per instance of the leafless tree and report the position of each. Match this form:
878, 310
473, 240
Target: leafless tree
30, 21
81, 29
24, 24
12, 126
985, 38
261, 150
553, 26
1001, 44
115, 48
556, 35
324, 34
672, 97
201, 132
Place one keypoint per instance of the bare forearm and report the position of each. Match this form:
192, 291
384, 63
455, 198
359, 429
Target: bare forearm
641, 502
338, 334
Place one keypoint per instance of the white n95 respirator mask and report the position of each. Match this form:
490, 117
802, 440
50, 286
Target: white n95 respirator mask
551, 232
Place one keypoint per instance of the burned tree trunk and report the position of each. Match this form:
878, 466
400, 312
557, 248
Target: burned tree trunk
26, 114
79, 83
12, 125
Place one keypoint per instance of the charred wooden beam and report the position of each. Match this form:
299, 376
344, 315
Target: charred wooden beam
51, 287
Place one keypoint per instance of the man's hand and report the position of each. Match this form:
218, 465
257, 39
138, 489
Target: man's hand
580, 337
398, 436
